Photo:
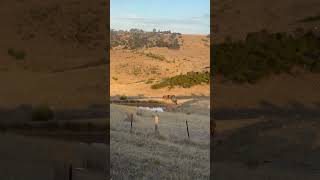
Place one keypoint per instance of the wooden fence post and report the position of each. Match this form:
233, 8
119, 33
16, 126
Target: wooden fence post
131, 120
156, 123
187, 129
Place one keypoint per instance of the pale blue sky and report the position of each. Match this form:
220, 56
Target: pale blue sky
184, 16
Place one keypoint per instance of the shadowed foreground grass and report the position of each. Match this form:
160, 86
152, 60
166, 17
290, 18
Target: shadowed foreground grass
141, 154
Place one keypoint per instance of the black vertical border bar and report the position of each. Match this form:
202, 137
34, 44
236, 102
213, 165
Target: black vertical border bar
107, 53
212, 123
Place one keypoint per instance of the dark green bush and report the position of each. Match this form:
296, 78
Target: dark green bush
42, 113
184, 80
310, 19
19, 55
123, 97
155, 56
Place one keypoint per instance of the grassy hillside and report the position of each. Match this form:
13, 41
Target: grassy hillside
54, 52
155, 70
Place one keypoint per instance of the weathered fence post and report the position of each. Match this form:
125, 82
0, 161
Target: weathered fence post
187, 129
131, 120
156, 123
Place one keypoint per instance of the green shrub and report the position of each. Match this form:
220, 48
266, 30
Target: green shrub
184, 80
42, 113
156, 56
310, 19
19, 55
205, 40
123, 97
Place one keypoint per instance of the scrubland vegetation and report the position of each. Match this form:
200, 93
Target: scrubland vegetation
184, 80
137, 39
262, 54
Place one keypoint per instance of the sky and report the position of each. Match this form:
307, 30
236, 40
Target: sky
183, 16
